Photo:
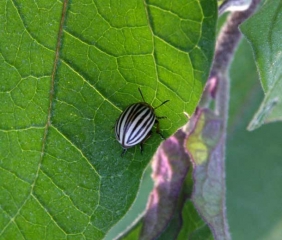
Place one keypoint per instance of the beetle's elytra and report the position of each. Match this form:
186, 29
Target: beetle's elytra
135, 123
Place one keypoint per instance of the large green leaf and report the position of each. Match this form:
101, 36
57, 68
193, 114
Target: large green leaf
68, 69
263, 31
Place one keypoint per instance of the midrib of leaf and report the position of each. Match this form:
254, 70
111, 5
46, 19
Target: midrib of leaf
51, 95
48, 123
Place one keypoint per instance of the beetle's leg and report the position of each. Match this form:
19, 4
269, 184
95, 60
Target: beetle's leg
162, 117
158, 127
123, 152
145, 139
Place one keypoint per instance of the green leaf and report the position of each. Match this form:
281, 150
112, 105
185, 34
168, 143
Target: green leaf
68, 69
263, 32
253, 159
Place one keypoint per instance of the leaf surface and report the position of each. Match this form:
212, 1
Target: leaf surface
68, 69
205, 144
253, 159
263, 31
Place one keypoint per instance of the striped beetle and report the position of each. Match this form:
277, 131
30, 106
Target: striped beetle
135, 123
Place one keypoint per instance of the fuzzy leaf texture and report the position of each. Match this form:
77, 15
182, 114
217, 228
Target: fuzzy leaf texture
68, 69
170, 167
205, 146
263, 31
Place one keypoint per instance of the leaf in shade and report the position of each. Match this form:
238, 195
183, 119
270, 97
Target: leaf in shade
263, 31
193, 226
170, 166
205, 145
174, 226
253, 163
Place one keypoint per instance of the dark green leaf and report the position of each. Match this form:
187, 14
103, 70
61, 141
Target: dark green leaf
263, 31
194, 227
253, 159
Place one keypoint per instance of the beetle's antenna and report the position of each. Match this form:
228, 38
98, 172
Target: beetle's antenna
141, 94
162, 104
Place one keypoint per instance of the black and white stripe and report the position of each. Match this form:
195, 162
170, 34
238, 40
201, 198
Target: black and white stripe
134, 124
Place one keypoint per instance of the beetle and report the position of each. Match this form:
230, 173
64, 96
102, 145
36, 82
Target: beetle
135, 124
